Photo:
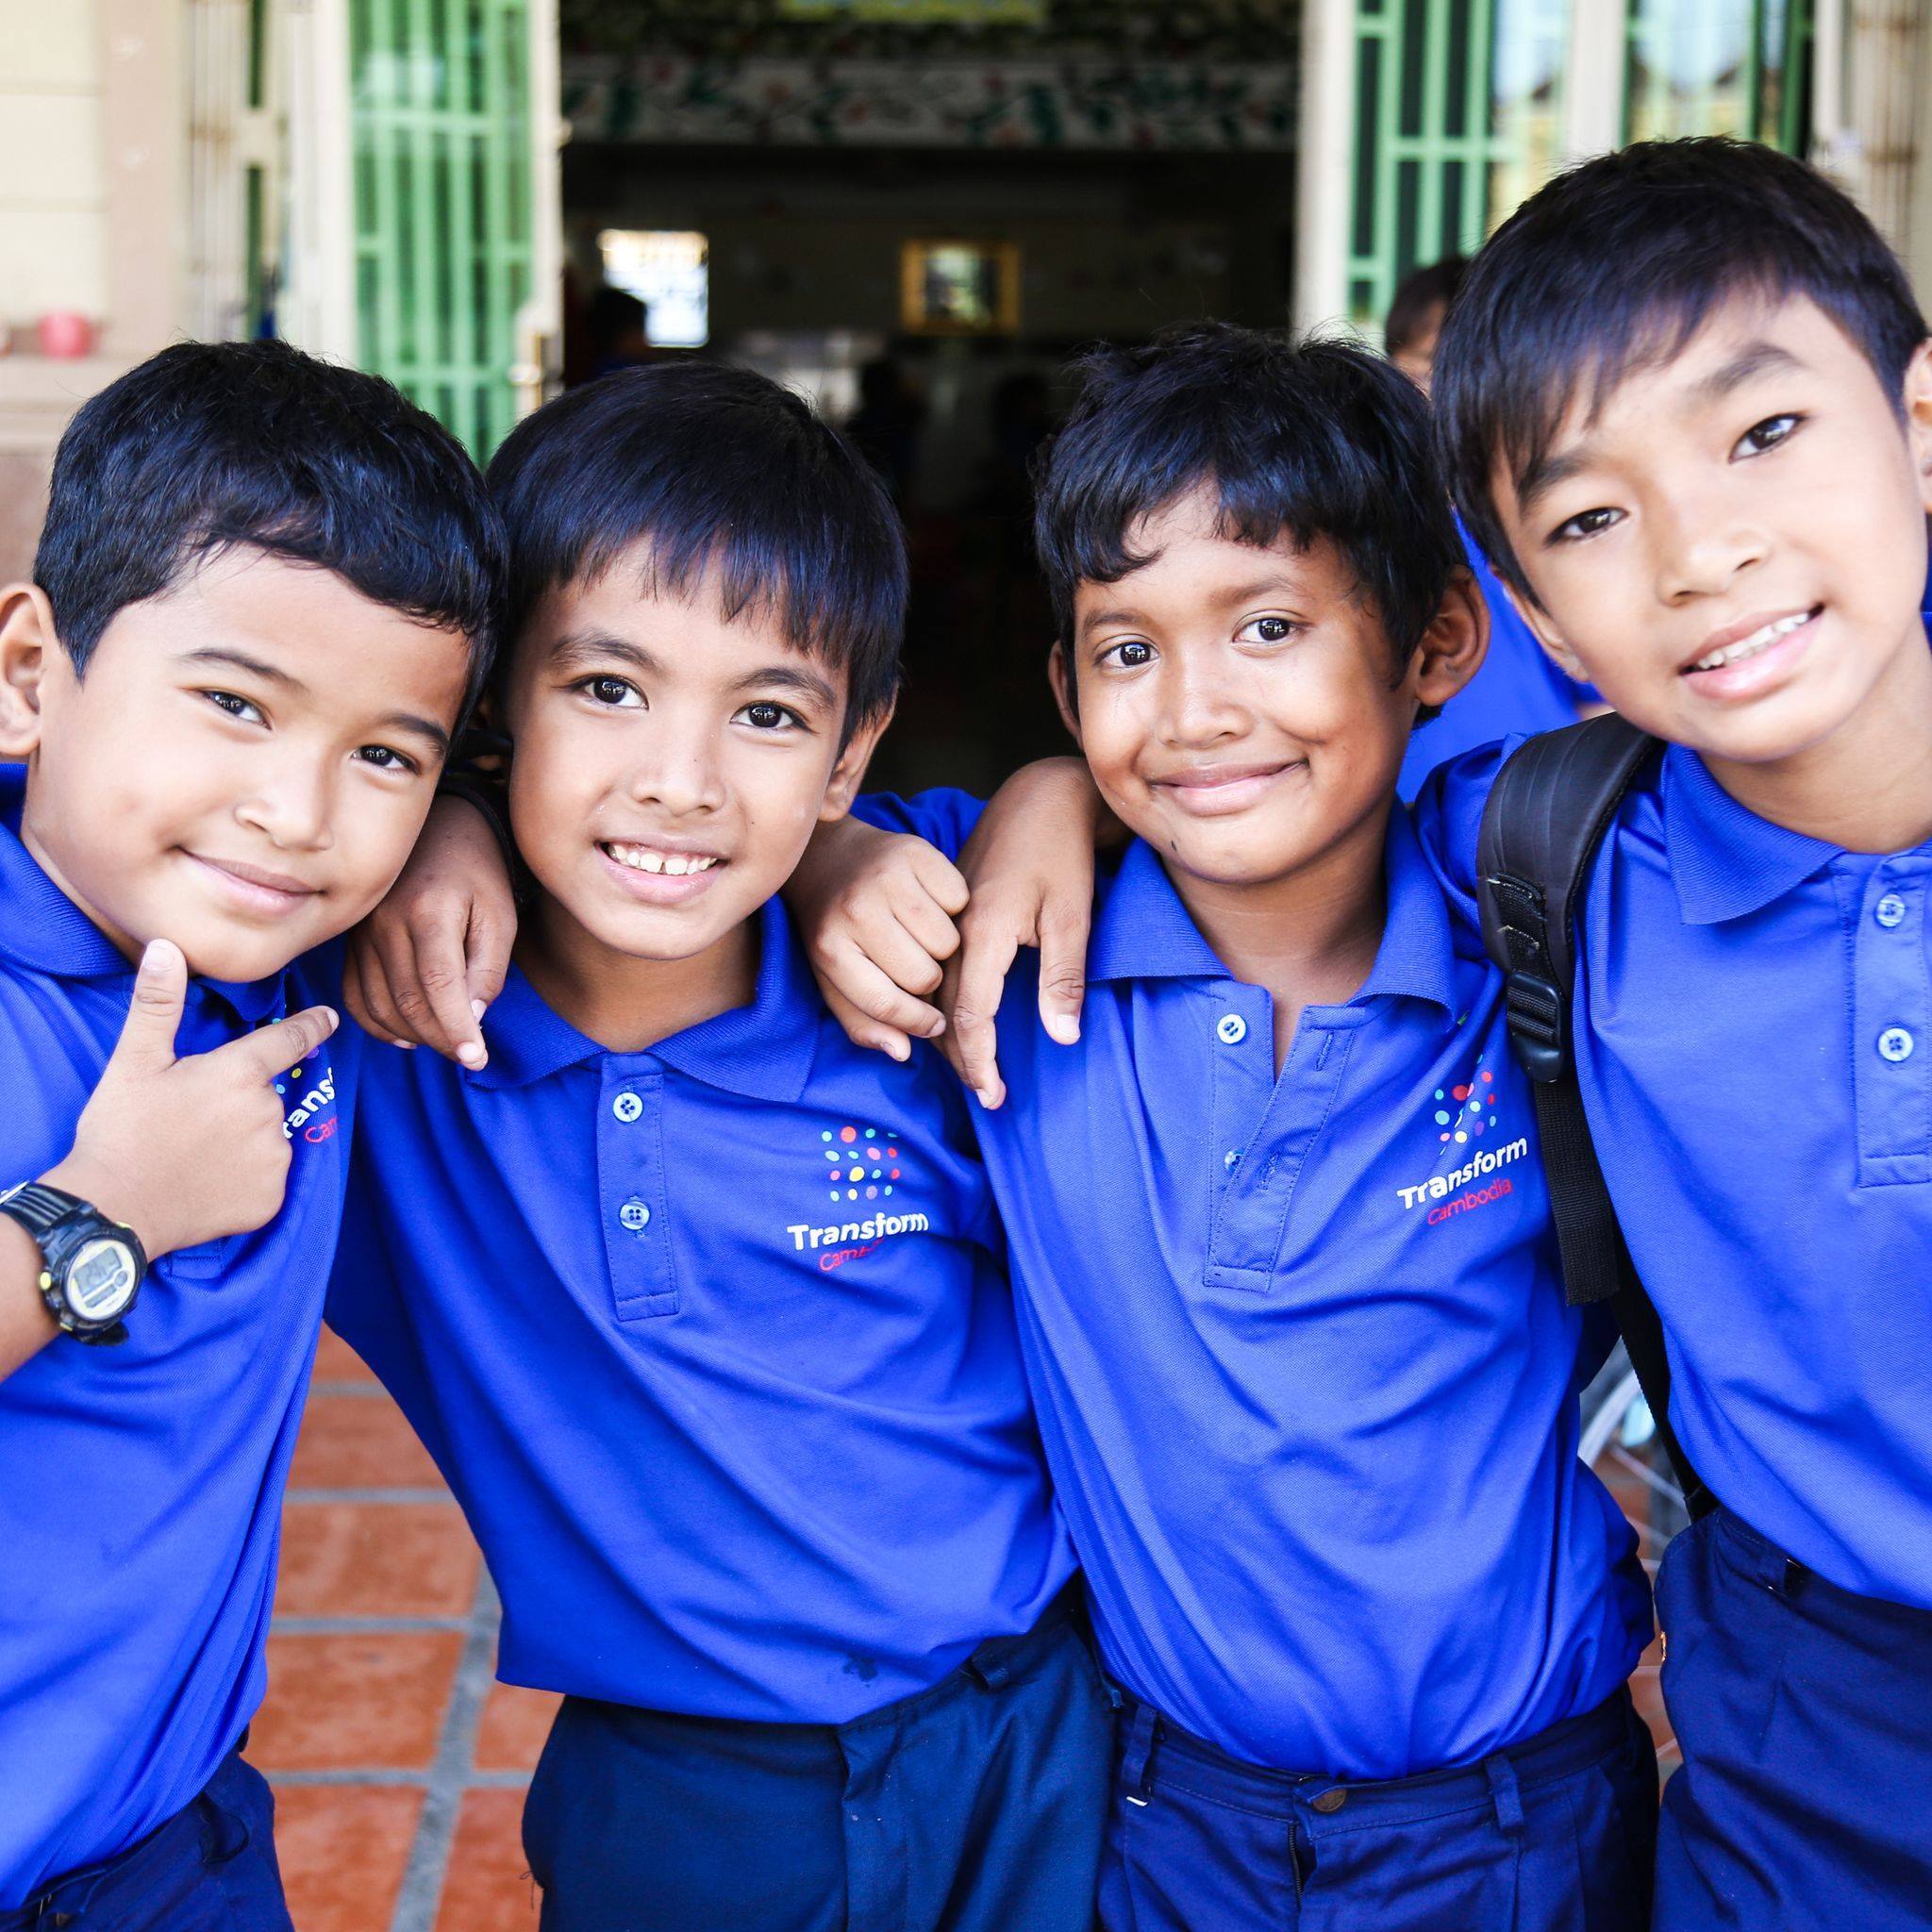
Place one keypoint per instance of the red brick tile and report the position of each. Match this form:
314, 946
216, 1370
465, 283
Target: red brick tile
336, 1361
344, 1850
361, 1442
489, 1887
341, 1703
515, 1722
376, 1559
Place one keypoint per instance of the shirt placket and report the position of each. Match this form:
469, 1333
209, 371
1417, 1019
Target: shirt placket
1891, 1022
631, 1192
1265, 1128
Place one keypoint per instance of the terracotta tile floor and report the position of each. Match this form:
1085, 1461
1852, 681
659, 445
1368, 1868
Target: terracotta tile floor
398, 1764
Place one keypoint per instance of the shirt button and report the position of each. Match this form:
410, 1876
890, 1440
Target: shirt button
1231, 1029
1890, 911
1330, 1802
1896, 1044
1231, 1159
626, 1106
635, 1215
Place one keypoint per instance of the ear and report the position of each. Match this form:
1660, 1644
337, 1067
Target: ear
1455, 644
1917, 403
27, 646
849, 773
1059, 673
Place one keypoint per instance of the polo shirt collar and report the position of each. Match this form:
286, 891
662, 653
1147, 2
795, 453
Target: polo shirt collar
1143, 931
44, 931
764, 1050
1725, 861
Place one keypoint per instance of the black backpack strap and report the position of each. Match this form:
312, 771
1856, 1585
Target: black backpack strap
1551, 803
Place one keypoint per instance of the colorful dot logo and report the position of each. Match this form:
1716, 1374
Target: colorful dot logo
1464, 1112
861, 1162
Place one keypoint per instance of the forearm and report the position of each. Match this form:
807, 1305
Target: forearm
26, 1327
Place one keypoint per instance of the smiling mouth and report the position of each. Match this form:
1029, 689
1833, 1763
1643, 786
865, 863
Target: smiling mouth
650, 858
1760, 641
261, 890
1213, 790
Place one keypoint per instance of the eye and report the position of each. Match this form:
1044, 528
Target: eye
614, 693
1129, 654
385, 758
235, 708
1589, 522
1266, 630
763, 714
1766, 435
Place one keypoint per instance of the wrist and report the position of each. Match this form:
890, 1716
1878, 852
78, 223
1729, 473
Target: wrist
101, 1189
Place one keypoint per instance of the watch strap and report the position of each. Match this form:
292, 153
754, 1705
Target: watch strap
45, 1211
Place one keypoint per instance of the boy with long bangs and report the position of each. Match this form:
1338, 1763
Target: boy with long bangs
1685, 400
1283, 1254
727, 1375
1281, 1250
263, 590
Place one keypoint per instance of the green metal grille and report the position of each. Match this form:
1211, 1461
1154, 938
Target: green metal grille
1739, 67
444, 220
1458, 103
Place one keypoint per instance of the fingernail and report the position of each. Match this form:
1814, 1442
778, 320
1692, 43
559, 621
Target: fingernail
478, 1008
938, 1026
473, 1055
1064, 1027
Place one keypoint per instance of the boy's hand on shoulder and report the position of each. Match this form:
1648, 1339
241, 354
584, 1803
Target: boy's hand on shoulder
423, 967
1029, 869
876, 910
185, 1151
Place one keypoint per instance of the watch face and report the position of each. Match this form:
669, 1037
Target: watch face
101, 1280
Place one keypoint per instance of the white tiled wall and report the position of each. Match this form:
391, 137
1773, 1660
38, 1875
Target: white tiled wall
52, 198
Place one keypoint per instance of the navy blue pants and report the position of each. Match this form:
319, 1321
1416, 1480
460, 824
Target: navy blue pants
1552, 1835
1805, 1712
210, 1868
976, 1805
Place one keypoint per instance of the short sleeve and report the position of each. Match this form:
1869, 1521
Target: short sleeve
1448, 817
944, 817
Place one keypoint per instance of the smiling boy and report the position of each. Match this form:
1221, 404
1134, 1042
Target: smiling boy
702, 1310
264, 590
1686, 397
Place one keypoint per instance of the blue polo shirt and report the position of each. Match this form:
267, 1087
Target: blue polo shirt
141, 1499
1520, 687
1753, 1022
715, 1345
1299, 1347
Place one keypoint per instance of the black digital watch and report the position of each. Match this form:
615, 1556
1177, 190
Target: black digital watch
91, 1268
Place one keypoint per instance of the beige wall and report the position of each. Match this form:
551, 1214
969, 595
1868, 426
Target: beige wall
52, 194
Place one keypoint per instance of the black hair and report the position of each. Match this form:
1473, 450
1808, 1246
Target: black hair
1614, 266
1315, 439
1419, 295
709, 468
209, 445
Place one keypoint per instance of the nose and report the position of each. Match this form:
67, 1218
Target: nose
1704, 546
678, 773
1200, 705
294, 804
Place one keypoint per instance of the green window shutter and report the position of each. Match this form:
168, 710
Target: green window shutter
1740, 67
440, 94
1458, 108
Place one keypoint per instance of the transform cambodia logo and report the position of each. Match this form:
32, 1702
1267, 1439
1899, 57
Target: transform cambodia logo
1466, 1115
860, 1163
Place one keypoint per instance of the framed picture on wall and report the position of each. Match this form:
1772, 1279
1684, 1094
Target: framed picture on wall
959, 288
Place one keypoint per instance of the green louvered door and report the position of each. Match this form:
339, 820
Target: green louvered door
443, 205
1459, 110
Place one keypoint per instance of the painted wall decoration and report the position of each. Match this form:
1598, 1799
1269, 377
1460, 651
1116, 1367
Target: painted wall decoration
952, 101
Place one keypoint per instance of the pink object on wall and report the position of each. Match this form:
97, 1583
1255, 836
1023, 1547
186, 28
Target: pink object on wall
65, 334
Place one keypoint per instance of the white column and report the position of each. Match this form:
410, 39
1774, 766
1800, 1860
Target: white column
318, 301
1325, 163
1594, 88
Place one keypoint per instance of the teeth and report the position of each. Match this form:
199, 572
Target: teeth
1756, 641
675, 865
